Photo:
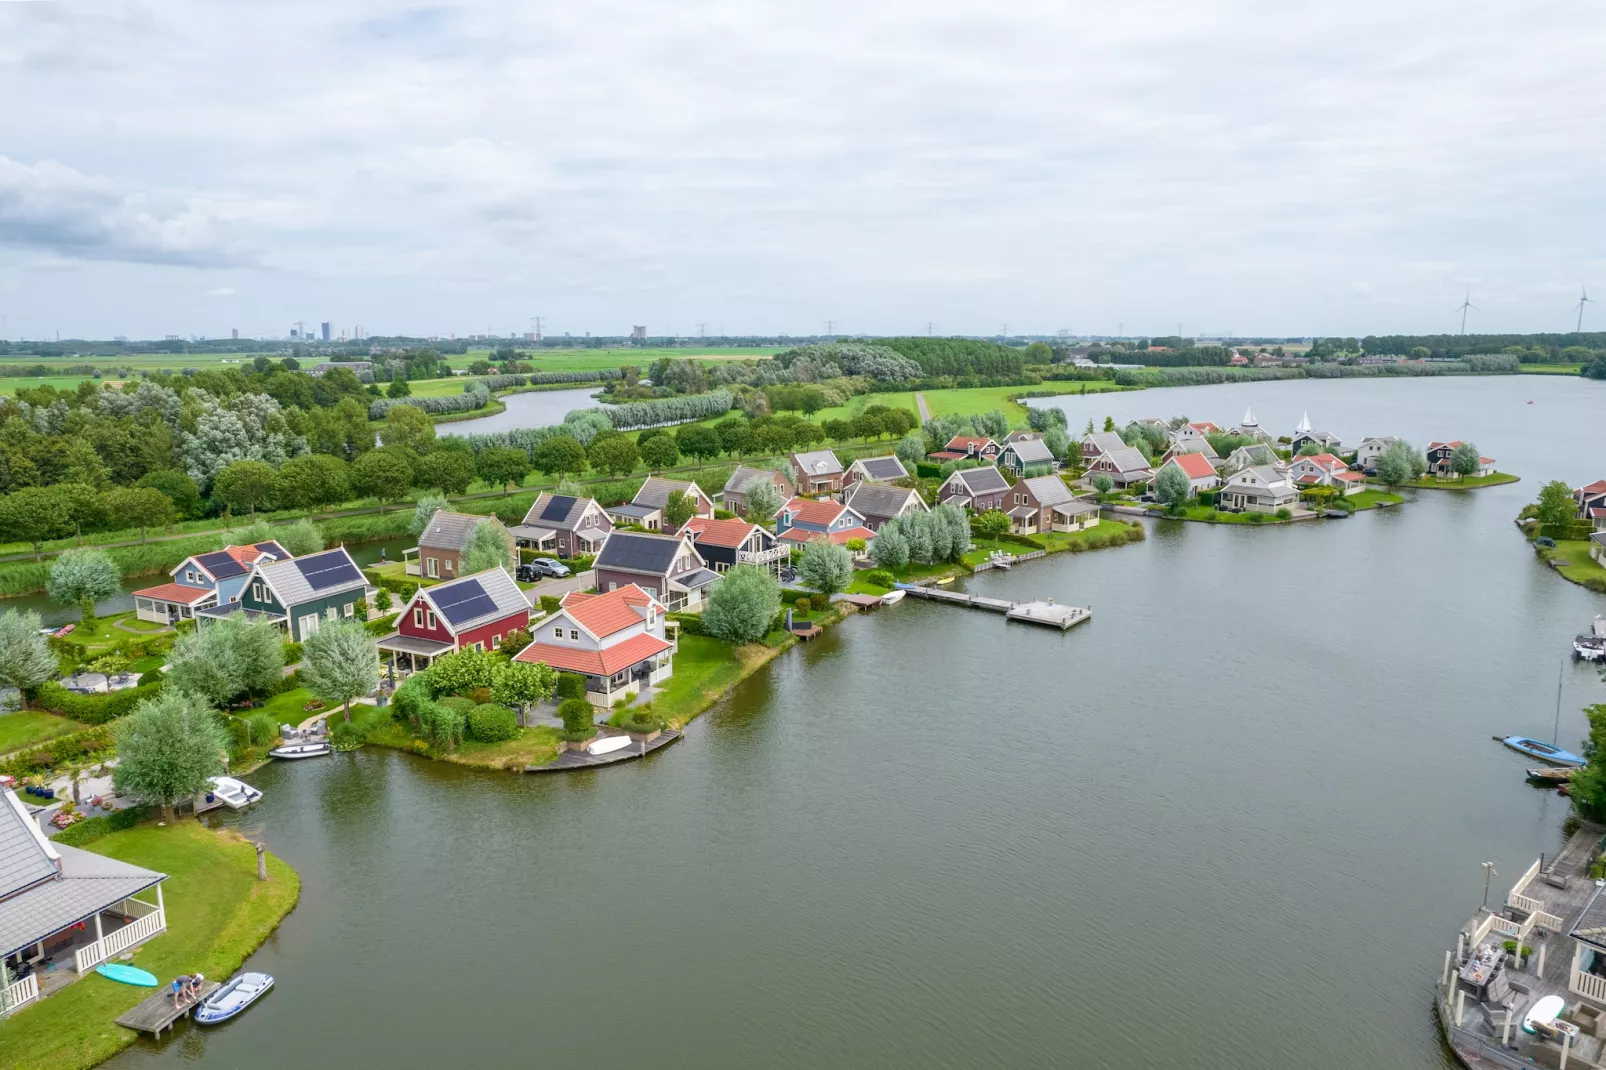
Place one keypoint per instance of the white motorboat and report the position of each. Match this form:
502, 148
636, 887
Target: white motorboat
300, 750
1591, 646
235, 794
892, 598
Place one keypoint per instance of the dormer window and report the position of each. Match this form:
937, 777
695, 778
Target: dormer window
557, 633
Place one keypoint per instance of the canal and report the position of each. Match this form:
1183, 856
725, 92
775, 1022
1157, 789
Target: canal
531, 408
1230, 823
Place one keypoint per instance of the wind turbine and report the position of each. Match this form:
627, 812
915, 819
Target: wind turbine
1583, 299
1463, 307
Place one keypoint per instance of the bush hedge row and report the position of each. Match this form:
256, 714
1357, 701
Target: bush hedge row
58, 751
96, 709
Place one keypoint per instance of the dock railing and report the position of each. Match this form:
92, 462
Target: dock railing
149, 920
19, 993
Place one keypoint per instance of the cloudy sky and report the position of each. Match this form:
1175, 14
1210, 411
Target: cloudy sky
1260, 167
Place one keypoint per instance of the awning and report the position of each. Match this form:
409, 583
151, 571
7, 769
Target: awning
411, 644
228, 609
693, 581
1021, 512
531, 533
1076, 508
637, 511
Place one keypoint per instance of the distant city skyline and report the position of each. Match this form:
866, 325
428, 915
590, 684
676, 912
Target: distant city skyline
764, 168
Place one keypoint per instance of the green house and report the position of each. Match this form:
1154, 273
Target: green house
301, 592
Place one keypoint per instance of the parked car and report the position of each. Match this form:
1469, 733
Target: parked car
542, 566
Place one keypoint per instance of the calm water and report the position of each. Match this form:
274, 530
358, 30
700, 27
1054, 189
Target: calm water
1231, 823
534, 408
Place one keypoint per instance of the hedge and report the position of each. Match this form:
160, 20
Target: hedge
492, 723
96, 709
91, 829
58, 751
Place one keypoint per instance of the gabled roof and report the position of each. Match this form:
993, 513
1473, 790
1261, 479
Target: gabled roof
606, 614
1263, 475
1253, 453
1031, 451
818, 463
1445, 445
729, 533
1194, 465
1105, 441
1597, 487
1126, 459
301, 579
965, 443
743, 477
180, 593
809, 511
1381, 440
557, 512
469, 601
447, 530
881, 501
26, 857
656, 491
1021, 435
1205, 427
803, 535
235, 560
1048, 490
620, 656
984, 480
884, 469
1325, 461
639, 551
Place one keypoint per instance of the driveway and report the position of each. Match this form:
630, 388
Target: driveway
580, 581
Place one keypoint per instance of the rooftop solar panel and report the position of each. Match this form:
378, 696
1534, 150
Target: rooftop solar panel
558, 508
463, 601
220, 564
323, 571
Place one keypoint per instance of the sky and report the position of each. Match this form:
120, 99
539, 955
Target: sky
884, 166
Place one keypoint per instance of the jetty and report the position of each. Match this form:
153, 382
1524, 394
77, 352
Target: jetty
156, 1013
571, 760
1050, 613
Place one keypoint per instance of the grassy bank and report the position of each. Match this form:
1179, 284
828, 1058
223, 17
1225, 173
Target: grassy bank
1494, 479
27, 728
1373, 499
1549, 369
217, 914
1570, 557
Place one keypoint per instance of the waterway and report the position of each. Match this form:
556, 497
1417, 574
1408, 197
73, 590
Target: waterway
532, 408
1231, 823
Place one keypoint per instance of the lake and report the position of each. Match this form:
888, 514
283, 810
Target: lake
1233, 822
533, 408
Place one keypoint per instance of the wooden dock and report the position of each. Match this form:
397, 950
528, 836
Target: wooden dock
156, 1013
1050, 613
570, 760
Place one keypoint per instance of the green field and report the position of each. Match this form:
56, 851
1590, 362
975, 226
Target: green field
585, 360
1548, 369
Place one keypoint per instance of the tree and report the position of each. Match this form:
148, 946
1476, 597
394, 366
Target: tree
1394, 466
1311, 449
614, 454
244, 485
312, 479
205, 663
838, 430
399, 389
1042, 419
34, 514
1587, 786
84, 577
911, 449
522, 682
423, 510
579, 719
680, 508
1465, 460
340, 662
698, 441
383, 474
1109, 423
1103, 484
1171, 486
735, 436
991, 524
300, 538
1057, 441
450, 471
503, 466
1556, 506
464, 670
560, 455
85, 506
890, 550
25, 657
139, 507
659, 451
763, 499
743, 605
167, 748
179, 488
406, 426
825, 566
867, 425
488, 546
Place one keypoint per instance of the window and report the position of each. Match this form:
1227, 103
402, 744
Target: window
189, 575
332, 612
574, 634
557, 633
496, 642
429, 618
351, 610
448, 566
612, 586
434, 566
256, 591
418, 616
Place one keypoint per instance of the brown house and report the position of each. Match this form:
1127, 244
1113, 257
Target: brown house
816, 473
442, 542
1044, 503
734, 496
563, 525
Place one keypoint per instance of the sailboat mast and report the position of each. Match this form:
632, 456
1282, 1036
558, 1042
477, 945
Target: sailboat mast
1555, 731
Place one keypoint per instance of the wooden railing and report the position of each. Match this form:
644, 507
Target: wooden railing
1589, 985
1521, 886
19, 993
87, 958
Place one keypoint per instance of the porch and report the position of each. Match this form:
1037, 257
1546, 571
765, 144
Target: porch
1075, 516
170, 603
408, 653
224, 611
775, 558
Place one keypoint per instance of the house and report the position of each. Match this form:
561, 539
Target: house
1591, 498
443, 541
1125, 466
1440, 460
1249, 427
1199, 446
734, 496
803, 520
817, 472
355, 367
668, 567
967, 448
1257, 489
646, 509
1597, 546
1257, 453
977, 489
1372, 448
64, 911
203, 580
1045, 503
1325, 470
875, 470
1027, 453
475, 611
1194, 435
726, 543
301, 592
1021, 435
1100, 443
878, 503
1305, 435
562, 525
1197, 467
614, 639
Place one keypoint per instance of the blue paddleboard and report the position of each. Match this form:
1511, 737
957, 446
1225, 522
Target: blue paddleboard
128, 975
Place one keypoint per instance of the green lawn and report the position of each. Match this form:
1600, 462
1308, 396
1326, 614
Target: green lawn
1576, 564
1549, 369
1210, 515
217, 914
286, 707
24, 728
705, 669
1463, 483
1371, 499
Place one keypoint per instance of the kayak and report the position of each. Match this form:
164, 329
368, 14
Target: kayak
234, 997
128, 975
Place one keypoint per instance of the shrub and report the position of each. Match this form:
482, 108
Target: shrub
96, 709
345, 735
880, 577
572, 686
91, 829
1207, 497
491, 722
550, 604
642, 721
1283, 514
59, 751
1257, 518
292, 652
1135, 532
1118, 539
577, 719
803, 604
459, 705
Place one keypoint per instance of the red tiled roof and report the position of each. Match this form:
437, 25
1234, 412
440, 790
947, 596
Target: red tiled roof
1307, 479
181, 593
805, 511
1597, 514
1324, 461
964, 442
1446, 445
1597, 487
858, 531
245, 555
1486, 460
947, 455
1205, 425
604, 614
1349, 477
637, 648
1194, 465
708, 532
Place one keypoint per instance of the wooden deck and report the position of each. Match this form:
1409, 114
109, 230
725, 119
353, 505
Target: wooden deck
156, 1013
572, 759
1052, 614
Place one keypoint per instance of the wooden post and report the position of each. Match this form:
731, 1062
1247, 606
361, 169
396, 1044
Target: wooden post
1540, 972
1505, 1030
99, 935
262, 860
1566, 1046
1445, 980
1460, 1005
159, 905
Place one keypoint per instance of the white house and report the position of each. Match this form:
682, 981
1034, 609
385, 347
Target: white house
1325, 470
1257, 489
1197, 467
1372, 448
615, 640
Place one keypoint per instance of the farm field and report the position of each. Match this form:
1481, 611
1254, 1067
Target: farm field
585, 360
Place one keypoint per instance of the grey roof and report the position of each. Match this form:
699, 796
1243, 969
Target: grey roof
1127, 459
1021, 436
224, 611
881, 468
557, 512
984, 480
472, 600
881, 501
221, 565
1269, 482
449, 531
637, 551
1195, 445
301, 579
529, 531
1598, 537
640, 512
743, 476
1048, 490
412, 644
24, 858
1256, 453
819, 463
1318, 436
656, 491
1032, 451
695, 579
1106, 441
1076, 507
1023, 511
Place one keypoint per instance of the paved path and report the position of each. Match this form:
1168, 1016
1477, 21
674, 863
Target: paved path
920, 403
557, 588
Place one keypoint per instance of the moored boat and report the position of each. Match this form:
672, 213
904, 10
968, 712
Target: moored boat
300, 750
1545, 752
234, 997
235, 794
1591, 646
892, 598
1551, 777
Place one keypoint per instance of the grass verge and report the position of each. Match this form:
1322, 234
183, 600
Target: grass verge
1570, 557
1463, 483
25, 728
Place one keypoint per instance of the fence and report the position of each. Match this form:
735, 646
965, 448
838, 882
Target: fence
19, 993
154, 921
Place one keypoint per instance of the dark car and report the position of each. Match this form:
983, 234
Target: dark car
542, 566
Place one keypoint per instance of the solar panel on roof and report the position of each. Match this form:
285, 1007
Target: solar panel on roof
220, 564
325, 571
463, 601
558, 508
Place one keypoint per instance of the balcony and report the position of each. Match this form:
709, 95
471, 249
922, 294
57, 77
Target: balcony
763, 557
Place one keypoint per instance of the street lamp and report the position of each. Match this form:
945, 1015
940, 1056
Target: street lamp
1488, 871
